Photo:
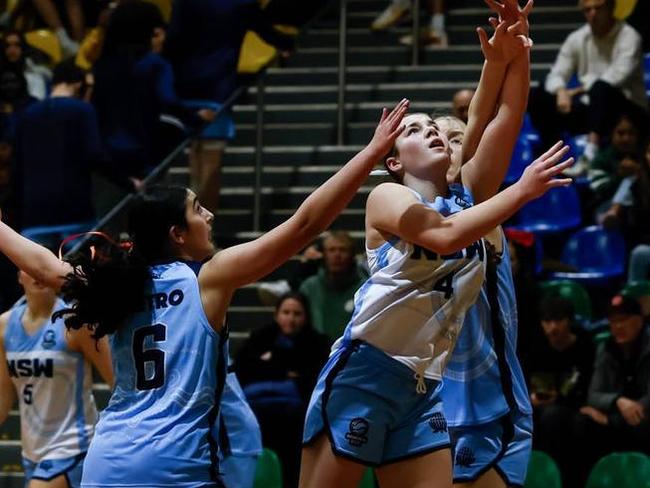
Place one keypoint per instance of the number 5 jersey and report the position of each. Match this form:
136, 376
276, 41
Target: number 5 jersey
54, 389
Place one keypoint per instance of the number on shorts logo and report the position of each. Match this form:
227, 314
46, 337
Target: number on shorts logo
357, 431
465, 457
438, 423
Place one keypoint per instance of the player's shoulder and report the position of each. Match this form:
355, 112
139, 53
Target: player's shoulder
390, 191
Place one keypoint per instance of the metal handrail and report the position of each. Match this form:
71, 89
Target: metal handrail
343, 32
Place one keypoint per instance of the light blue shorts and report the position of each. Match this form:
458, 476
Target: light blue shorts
48, 469
504, 444
367, 404
238, 471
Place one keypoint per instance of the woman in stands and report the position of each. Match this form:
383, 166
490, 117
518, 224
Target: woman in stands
377, 401
167, 323
49, 372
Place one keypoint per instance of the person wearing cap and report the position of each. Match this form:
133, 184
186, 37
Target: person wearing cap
618, 402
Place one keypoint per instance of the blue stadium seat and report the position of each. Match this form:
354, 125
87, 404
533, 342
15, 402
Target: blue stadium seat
522, 156
555, 211
598, 256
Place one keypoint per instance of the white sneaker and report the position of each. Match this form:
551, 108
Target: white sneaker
428, 37
391, 16
269, 292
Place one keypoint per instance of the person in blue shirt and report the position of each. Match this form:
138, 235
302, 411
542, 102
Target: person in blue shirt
167, 323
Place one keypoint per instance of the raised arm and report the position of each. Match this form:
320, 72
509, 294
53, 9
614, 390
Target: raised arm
7, 390
246, 263
32, 258
498, 54
392, 210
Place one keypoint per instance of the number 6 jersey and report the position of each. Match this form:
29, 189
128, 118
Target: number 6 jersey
54, 389
412, 306
169, 368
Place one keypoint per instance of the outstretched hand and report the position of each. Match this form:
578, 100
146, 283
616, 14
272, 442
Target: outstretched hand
540, 176
510, 12
389, 127
505, 44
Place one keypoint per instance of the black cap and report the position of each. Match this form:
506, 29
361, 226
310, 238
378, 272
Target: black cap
556, 307
623, 305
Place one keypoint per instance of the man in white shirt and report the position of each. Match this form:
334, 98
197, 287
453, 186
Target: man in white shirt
606, 58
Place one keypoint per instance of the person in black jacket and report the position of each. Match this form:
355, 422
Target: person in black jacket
277, 368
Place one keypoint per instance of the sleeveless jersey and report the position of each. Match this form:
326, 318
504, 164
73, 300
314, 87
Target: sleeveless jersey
474, 390
54, 389
412, 306
170, 366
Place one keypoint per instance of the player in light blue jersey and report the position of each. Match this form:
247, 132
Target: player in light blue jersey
166, 323
377, 400
484, 394
49, 373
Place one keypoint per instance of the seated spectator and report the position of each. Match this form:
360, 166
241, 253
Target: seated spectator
460, 104
617, 414
617, 160
14, 90
13, 57
630, 211
331, 291
433, 34
561, 369
278, 367
203, 44
56, 148
605, 55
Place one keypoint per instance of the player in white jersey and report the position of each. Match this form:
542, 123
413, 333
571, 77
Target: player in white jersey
49, 372
376, 402
166, 323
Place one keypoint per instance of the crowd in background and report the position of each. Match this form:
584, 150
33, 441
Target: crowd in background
76, 136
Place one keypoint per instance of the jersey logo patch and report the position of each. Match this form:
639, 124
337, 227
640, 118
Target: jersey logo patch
465, 457
438, 423
49, 339
357, 431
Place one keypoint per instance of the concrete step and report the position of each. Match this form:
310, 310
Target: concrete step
302, 155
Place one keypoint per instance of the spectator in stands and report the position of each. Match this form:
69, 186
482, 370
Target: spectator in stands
433, 34
630, 211
615, 161
605, 55
203, 43
617, 415
134, 85
331, 291
14, 90
56, 148
13, 57
460, 104
561, 369
48, 11
277, 367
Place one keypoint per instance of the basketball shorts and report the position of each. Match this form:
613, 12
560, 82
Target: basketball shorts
504, 444
48, 469
367, 404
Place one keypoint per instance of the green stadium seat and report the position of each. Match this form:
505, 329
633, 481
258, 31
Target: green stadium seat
572, 291
621, 470
269, 472
368, 480
637, 289
542, 472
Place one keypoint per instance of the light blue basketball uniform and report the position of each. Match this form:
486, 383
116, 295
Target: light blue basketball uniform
239, 437
377, 397
484, 392
54, 390
170, 368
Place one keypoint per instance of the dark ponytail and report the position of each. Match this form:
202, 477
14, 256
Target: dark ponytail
110, 282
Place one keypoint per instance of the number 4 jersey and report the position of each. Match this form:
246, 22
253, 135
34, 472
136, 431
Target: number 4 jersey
169, 366
54, 389
412, 306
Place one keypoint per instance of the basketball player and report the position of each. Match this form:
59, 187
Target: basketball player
49, 372
485, 398
166, 323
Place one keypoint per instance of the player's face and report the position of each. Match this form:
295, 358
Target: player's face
198, 236
625, 328
290, 317
422, 149
455, 133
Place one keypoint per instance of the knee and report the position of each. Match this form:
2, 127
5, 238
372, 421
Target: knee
601, 89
